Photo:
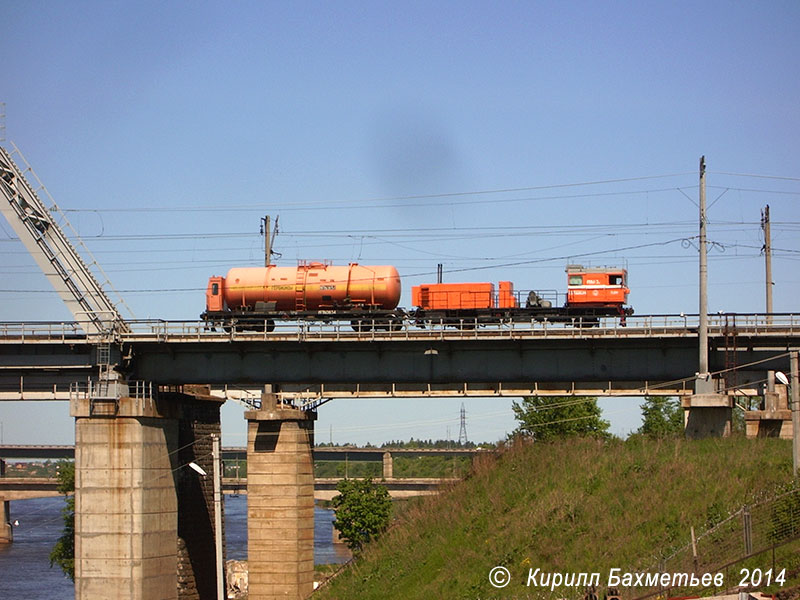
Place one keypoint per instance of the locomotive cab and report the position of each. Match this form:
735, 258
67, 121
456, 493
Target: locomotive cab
215, 294
596, 287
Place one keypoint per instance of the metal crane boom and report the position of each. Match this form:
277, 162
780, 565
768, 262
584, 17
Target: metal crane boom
46, 241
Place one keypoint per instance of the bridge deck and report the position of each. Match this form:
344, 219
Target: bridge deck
650, 355
197, 331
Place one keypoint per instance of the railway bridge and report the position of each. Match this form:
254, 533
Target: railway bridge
146, 399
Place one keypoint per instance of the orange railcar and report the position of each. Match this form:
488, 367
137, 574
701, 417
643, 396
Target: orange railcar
307, 287
463, 296
592, 293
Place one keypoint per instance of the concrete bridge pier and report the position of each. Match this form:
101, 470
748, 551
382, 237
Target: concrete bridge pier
388, 465
6, 531
126, 506
707, 415
280, 501
143, 519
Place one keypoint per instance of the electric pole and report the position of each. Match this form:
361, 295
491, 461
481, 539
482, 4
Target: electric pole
704, 385
220, 565
267, 241
767, 259
794, 387
269, 238
768, 270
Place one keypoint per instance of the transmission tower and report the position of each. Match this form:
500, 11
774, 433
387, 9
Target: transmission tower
462, 434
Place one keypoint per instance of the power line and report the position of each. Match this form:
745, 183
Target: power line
372, 201
778, 177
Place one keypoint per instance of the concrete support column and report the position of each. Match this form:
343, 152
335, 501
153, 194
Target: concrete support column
707, 415
388, 466
125, 501
6, 531
280, 502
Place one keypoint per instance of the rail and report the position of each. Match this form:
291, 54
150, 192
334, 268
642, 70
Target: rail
200, 331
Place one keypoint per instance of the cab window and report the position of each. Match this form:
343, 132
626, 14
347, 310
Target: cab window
575, 280
214, 289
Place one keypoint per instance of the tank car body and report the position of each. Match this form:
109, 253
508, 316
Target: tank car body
305, 291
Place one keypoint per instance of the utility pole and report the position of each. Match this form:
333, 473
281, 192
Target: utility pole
767, 259
768, 270
265, 223
218, 518
704, 385
795, 389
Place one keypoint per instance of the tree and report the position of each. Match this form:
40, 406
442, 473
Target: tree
662, 417
363, 510
553, 417
63, 553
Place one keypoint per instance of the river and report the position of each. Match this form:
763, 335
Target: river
25, 572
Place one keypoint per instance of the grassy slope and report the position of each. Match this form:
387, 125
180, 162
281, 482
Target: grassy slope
572, 506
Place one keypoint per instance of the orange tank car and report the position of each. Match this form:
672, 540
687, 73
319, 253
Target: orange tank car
596, 287
307, 287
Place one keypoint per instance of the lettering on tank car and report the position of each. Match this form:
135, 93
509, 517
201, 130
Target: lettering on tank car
327, 287
280, 288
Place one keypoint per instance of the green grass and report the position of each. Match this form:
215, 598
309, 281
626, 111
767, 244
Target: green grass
574, 506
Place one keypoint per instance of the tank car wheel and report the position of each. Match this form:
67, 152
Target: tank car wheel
360, 326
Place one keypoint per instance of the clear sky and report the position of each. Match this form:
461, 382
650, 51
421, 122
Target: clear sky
165, 131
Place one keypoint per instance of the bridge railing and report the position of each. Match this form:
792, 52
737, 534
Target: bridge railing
163, 330
52, 330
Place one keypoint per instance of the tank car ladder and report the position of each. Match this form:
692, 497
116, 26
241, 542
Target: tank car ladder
300, 287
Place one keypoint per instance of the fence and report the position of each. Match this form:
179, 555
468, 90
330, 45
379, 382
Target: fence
744, 546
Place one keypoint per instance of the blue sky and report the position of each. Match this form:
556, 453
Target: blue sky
166, 130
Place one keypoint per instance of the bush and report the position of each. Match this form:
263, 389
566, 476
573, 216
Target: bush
63, 553
363, 510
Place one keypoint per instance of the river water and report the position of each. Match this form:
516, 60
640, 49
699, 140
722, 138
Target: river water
25, 572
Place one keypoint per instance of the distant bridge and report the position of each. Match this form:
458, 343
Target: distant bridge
22, 488
27, 488
52, 452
